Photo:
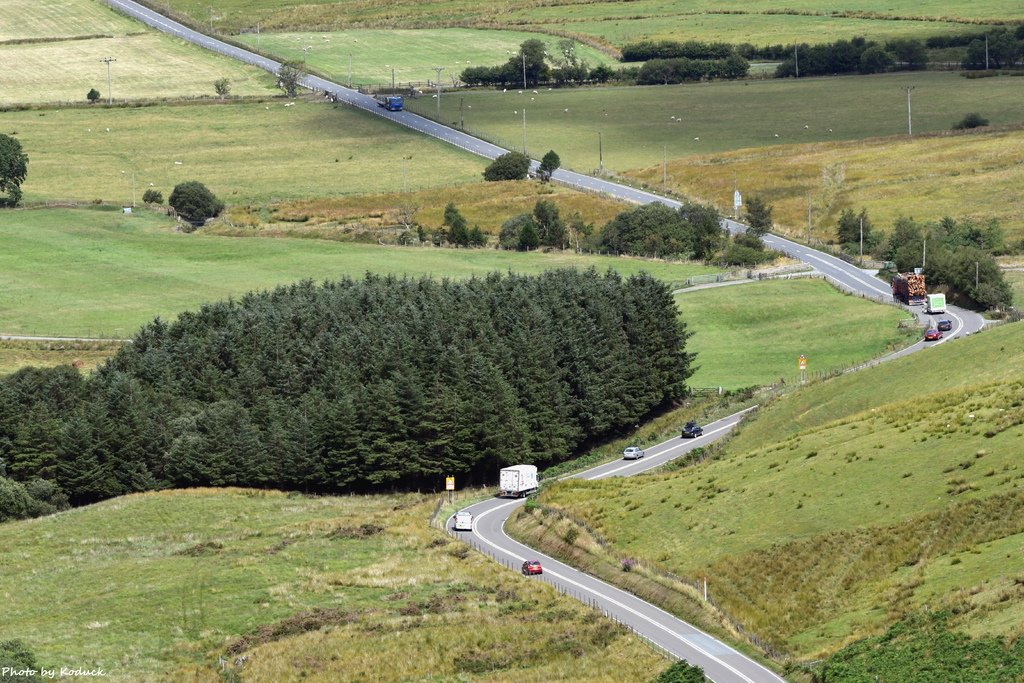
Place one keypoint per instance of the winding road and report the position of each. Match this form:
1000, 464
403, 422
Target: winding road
721, 662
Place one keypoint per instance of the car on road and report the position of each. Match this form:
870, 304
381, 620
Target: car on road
691, 430
531, 567
932, 334
463, 521
944, 325
633, 453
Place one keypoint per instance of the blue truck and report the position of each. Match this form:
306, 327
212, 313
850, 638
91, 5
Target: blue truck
390, 102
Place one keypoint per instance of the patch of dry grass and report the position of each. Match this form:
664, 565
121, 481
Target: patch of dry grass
973, 174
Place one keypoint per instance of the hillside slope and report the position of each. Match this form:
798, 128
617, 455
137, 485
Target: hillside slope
818, 535
157, 586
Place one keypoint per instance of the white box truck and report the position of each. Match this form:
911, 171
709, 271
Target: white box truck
517, 481
936, 303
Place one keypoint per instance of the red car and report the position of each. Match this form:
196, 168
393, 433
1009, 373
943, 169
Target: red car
932, 335
532, 567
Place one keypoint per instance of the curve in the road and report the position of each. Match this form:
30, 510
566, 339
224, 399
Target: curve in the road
721, 663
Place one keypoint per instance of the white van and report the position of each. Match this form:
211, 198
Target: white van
463, 521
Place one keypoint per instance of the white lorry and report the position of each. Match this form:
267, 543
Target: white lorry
935, 303
517, 481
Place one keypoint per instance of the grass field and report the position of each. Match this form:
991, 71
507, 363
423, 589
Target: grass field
249, 152
71, 38
100, 273
1016, 280
972, 175
810, 528
483, 204
639, 126
411, 53
159, 585
761, 22
751, 334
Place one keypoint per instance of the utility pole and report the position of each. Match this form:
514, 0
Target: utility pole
211, 19
862, 241
462, 120
986, 52
257, 35
349, 69
664, 168
393, 79
133, 192
438, 69
524, 130
808, 218
108, 60
924, 252
910, 128
600, 155
524, 69
796, 60
975, 278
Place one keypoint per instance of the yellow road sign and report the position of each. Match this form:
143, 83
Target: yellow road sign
449, 483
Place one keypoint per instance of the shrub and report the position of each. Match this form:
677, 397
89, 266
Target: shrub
16, 657
194, 202
153, 197
681, 672
510, 166
972, 120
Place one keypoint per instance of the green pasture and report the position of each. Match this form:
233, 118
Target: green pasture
38, 19
251, 152
628, 22
638, 127
100, 273
1016, 280
67, 42
411, 54
158, 586
752, 334
615, 22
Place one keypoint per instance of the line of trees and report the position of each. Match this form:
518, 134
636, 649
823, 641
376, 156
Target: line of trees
684, 69
694, 231
534, 65
956, 254
643, 50
353, 386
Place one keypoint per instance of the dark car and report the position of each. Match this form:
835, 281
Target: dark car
932, 335
692, 430
945, 325
532, 567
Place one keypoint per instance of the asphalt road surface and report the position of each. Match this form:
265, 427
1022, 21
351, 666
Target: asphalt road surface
721, 663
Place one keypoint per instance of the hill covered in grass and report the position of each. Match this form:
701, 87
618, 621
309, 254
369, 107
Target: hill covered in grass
848, 505
963, 175
162, 584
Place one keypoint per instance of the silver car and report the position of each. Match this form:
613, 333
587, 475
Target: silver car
633, 453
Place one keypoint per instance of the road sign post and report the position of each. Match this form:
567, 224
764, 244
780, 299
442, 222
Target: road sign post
801, 363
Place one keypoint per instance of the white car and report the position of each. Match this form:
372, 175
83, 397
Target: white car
463, 521
633, 453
